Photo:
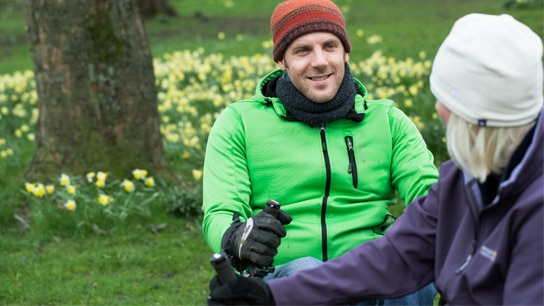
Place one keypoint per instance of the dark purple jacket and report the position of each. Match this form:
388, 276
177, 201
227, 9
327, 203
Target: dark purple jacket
475, 254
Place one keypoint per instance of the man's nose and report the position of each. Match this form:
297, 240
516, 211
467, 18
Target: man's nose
319, 58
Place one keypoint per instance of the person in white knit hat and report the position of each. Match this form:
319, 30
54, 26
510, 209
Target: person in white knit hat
487, 73
479, 233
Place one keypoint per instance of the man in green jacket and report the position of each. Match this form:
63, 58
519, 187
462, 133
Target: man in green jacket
311, 140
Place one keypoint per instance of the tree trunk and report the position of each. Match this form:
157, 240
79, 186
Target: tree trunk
95, 82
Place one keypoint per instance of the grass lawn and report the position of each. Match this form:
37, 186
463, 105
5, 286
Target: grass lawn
165, 260
406, 27
144, 267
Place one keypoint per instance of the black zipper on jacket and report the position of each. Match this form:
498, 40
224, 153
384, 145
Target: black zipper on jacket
352, 168
324, 245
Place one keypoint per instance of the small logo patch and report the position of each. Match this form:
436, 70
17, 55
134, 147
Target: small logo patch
488, 253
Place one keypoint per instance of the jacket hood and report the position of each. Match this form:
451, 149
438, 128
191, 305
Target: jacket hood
266, 95
525, 173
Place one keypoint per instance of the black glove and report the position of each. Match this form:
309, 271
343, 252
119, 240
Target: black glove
255, 241
242, 291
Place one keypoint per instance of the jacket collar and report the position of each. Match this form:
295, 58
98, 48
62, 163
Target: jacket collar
524, 167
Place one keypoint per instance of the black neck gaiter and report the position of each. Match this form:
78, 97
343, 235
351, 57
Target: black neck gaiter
315, 114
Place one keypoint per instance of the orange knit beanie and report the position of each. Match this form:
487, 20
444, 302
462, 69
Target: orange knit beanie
294, 18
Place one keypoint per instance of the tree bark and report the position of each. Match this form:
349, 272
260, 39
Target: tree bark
97, 99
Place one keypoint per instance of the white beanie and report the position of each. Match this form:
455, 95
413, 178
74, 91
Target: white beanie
488, 71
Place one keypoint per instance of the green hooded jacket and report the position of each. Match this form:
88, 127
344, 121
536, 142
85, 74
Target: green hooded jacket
336, 181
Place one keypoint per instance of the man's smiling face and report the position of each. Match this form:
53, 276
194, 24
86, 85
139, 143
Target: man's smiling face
315, 65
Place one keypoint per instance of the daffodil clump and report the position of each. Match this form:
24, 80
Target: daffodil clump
95, 201
18, 114
193, 89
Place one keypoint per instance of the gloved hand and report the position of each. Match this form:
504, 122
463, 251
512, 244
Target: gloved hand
255, 241
242, 291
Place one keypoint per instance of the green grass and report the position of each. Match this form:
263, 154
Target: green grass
147, 264
407, 27
140, 268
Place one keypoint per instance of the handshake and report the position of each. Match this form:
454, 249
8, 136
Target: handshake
250, 247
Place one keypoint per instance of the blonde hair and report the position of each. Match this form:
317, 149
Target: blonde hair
481, 151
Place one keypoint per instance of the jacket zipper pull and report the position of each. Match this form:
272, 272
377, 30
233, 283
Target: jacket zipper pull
467, 260
349, 144
352, 167
323, 143
464, 265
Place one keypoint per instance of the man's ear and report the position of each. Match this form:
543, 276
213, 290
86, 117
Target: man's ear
346, 57
281, 63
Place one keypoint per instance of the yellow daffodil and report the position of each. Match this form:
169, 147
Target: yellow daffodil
105, 199
101, 175
360, 32
139, 174
64, 180
90, 176
149, 182
38, 191
7, 152
50, 188
374, 39
268, 44
70, 205
413, 90
29, 187
71, 189
417, 121
100, 183
128, 185
197, 174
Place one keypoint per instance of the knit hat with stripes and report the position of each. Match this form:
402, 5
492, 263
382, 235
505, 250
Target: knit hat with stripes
294, 18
